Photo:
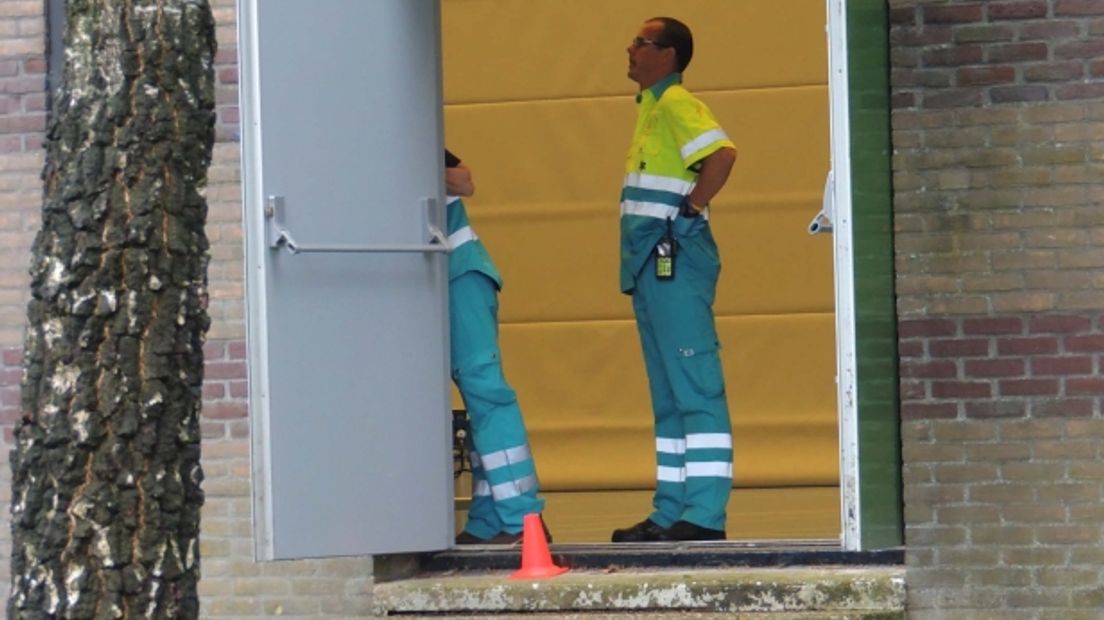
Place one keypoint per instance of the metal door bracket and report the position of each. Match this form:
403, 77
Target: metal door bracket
278, 235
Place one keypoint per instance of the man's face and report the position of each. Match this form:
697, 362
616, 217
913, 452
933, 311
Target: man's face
648, 62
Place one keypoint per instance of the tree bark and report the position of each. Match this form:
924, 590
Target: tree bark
105, 471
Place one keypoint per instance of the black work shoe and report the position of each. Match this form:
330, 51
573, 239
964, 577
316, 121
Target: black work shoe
645, 531
684, 530
501, 538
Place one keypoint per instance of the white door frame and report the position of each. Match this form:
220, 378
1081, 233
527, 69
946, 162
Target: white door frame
840, 194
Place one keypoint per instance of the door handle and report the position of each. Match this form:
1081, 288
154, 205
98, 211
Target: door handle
822, 222
278, 234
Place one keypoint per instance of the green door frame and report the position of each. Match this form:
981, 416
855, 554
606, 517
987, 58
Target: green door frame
870, 443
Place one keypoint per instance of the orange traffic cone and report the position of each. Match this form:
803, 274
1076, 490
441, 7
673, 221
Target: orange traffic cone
536, 561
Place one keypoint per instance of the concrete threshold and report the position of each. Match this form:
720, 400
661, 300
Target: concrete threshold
647, 581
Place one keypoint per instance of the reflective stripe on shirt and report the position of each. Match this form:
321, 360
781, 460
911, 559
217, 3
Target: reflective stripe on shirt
461, 237
702, 141
651, 209
648, 209
660, 183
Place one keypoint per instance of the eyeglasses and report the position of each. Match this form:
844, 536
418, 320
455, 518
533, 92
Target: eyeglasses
639, 42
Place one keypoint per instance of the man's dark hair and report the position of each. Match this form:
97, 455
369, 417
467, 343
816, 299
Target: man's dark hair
677, 35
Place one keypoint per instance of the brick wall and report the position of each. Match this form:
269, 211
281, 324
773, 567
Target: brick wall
997, 125
233, 584
22, 123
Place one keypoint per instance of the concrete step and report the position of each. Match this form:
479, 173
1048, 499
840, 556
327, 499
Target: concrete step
789, 593
679, 616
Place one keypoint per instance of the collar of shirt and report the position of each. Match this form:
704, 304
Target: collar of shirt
659, 87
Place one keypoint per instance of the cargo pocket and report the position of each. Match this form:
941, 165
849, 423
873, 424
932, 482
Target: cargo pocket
701, 366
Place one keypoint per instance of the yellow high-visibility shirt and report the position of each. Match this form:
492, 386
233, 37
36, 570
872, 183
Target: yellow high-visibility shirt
674, 132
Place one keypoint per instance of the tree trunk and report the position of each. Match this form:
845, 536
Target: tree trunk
105, 471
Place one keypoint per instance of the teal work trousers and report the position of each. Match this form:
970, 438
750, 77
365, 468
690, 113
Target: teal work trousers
504, 478
692, 428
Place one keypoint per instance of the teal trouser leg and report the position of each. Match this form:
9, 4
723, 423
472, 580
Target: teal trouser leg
504, 476
693, 431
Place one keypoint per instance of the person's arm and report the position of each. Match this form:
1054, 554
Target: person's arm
458, 181
714, 173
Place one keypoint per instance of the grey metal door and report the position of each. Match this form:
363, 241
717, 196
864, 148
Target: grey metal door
347, 277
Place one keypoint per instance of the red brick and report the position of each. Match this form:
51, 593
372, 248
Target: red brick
911, 348
903, 100
1093, 343
1028, 387
1059, 324
1018, 94
984, 33
228, 114
1027, 346
992, 325
1079, 7
226, 55
996, 409
1096, 68
10, 397
951, 14
1083, 386
1050, 30
938, 369
1054, 71
1091, 90
1080, 49
1015, 52
913, 390
1017, 10
1062, 407
12, 357
239, 389
961, 389
224, 410
954, 98
212, 430
995, 368
926, 328
22, 85
953, 56
228, 75
920, 37
34, 66
902, 16
214, 391
236, 350
239, 430
1070, 365
938, 78
214, 350
225, 370
974, 76
12, 144
972, 347
928, 411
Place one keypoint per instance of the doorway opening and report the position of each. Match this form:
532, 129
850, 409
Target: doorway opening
538, 105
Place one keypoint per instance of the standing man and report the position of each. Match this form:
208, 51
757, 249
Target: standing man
678, 161
504, 478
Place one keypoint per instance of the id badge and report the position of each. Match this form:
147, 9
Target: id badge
665, 258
